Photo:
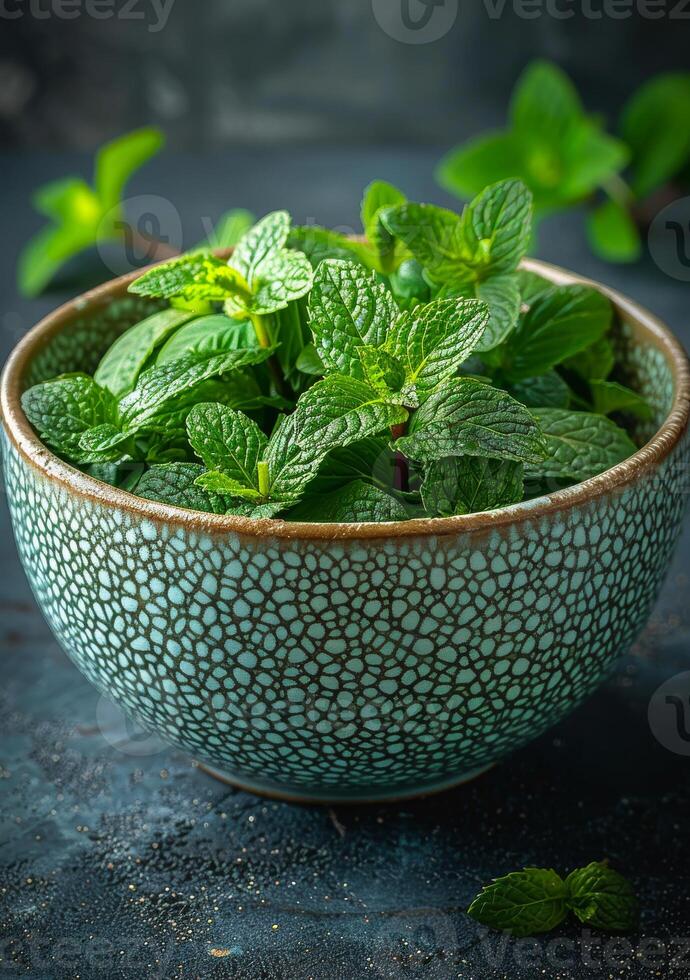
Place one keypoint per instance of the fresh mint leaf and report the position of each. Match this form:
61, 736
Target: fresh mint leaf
613, 234
602, 898
560, 322
496, 228
205, 335
378, 197
160, 385
319, 244
198, 276
227, 441
309, 362
433, 235
175, 484
594, 363
409, 286
522, 903
370, 460
579, 445
466, 418
656, 126
469, 484
531, 285
432, 341
609, 396
48, 250
217, 482
118, 160
61, 411
348, 309
122, 363
544, 391
230, 228
484, 159
274, 274
382, 370
502, 296
332, 414
357, 502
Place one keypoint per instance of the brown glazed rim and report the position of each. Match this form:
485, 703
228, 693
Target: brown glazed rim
646, 328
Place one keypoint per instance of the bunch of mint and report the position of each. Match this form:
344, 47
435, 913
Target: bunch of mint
566, 157
414, 372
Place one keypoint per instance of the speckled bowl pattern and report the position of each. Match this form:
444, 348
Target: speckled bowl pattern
345, 662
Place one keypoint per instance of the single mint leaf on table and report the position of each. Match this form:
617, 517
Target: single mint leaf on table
348, 309
560, 322
227, 441
62, 410
122, 363
544, 391
522, 903
198, 276
432, 341
332, 414
602, 898
468, 485
207, 334
610, 396
464, 417
579, 445
355, 503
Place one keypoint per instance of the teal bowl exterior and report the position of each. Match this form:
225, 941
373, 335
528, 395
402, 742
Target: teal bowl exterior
345, 662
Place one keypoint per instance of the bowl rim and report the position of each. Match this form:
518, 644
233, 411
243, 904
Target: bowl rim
624, 474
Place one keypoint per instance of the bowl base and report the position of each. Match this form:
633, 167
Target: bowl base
273, 791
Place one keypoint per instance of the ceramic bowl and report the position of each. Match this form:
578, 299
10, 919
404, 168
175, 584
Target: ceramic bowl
341, 662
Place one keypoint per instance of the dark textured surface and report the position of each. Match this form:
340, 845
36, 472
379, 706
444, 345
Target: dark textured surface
120, 859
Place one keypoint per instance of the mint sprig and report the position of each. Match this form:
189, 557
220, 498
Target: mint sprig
537, 900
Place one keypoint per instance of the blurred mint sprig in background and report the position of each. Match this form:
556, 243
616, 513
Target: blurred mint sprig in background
566, 157
83, 215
